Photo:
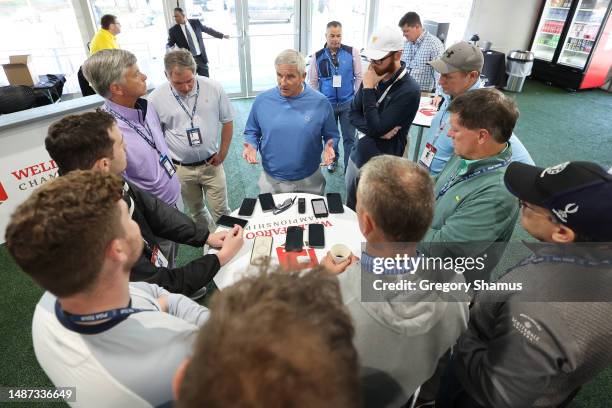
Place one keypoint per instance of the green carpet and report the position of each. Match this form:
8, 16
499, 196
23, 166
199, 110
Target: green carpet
555, 126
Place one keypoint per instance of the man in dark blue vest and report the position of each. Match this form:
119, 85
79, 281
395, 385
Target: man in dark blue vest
335, 71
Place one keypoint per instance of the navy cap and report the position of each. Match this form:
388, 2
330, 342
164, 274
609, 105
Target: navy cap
579, 194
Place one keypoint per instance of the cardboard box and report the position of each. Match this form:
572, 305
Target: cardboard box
19, 70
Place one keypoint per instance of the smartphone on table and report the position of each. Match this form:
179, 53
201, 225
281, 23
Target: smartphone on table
262, 248
295, 239
316, 236
229, 221
334, 203
267, 202
319, 208
247, 207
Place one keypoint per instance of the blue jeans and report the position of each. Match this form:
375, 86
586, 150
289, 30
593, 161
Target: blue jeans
341, 113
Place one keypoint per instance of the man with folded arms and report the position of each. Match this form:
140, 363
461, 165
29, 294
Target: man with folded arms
537, 346
384, 107
459, 68
118, 343
93, 140
192, 109
402, 334
291, 125
115, 76
475, 214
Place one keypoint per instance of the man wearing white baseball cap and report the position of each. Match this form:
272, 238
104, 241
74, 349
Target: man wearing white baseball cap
383, 108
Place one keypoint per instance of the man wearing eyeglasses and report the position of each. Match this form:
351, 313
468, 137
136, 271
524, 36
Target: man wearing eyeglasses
383, 108
335, 71
537, 346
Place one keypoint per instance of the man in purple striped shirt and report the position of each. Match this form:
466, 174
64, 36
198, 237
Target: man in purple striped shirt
115, 76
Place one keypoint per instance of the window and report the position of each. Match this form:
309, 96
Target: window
350, 13
456, 13
47, 30
143, 32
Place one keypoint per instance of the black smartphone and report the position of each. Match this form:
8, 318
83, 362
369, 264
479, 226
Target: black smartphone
267, 202
295, 239
247, 207
301, 205
319, 208
228, 221
316, 235
334, 203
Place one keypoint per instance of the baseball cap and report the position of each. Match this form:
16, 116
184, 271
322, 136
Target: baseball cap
384, 41
462, 56
579, 194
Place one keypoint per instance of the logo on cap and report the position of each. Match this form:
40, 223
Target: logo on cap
554, 169
571, 208
449, 53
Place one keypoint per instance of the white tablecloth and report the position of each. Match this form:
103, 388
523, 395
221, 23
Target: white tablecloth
339, 229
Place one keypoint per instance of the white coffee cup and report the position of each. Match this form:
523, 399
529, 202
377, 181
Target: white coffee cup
340, 253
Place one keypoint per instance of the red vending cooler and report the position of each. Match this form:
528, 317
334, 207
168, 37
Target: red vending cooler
572, 43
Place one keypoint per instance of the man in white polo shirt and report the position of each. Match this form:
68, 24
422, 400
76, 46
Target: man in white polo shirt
191, 110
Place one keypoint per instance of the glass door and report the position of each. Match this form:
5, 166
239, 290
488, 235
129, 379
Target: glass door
259, 30
225, 57
549, 30
143, 32
583, 32
271, 27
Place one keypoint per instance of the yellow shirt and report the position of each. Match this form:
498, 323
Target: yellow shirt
103, 40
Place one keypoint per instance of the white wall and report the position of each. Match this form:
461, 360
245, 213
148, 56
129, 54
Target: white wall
508, 24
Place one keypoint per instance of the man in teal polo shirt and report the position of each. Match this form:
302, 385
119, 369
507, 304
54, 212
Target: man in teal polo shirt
473, 209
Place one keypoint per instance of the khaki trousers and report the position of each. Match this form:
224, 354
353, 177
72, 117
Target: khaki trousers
200, 183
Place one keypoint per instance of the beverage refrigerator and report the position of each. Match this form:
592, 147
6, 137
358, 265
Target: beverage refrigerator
572, 43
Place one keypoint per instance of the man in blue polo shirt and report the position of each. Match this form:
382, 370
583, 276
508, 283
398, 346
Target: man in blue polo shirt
335, 71
459, 68
291, 125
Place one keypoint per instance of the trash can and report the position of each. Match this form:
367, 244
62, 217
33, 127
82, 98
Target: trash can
518, 67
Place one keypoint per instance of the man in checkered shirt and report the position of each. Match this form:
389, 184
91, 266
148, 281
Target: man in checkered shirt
420, 48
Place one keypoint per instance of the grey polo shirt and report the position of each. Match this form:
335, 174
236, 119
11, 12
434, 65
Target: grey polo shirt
213, 109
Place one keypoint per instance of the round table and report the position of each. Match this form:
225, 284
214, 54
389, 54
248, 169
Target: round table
339, 229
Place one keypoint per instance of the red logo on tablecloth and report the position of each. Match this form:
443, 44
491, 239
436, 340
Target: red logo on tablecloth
293, 261
3, 195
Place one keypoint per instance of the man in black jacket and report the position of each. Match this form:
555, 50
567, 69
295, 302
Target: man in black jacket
384, 107
187, 34
544, 330
93, 141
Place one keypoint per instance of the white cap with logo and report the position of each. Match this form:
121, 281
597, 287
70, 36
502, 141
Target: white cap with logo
384, 41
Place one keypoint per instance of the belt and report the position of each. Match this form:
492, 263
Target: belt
195, 164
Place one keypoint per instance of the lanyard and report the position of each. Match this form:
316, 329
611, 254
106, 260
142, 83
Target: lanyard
112, 314
454, 181
414, 53
150, 141
178, 99
441, 128
382, 97
331, 61
563, 259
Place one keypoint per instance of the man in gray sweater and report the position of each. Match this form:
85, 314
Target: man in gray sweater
399, 334
537, 345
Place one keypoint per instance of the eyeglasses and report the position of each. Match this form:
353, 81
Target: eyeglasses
379, 61
524, 204
284, 206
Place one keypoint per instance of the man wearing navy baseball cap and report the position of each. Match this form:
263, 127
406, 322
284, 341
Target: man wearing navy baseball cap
538, 345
